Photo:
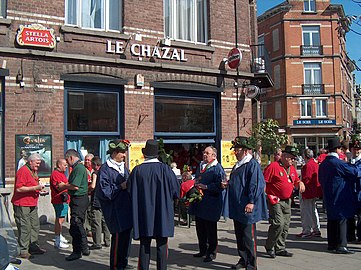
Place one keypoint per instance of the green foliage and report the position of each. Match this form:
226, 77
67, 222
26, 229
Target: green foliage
266, 134
163, 155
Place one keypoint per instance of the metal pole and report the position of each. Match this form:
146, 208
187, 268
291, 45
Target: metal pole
236, 83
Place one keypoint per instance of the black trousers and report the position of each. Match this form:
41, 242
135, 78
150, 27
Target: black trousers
337, 233
351, 229
207, 236
119, 250
246, 244
78, 206
144, 253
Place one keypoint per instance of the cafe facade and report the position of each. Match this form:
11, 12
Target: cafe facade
77, 76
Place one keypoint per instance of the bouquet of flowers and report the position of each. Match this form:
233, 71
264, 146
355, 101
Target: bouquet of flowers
193, 195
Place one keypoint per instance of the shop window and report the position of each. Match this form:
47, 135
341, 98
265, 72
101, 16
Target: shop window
306, 107
184, 115
90, 111
321, 107
2, 8
309, 5
94, 14
92, 117
186, 20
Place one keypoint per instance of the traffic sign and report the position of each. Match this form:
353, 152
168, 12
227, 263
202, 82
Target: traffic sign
234, 58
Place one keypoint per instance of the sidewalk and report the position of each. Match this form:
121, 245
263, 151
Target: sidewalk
308, 253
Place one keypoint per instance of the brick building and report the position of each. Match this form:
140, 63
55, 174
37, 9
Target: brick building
312, 97
76, 74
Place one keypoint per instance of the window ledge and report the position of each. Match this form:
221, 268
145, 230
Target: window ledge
309, 12
4, 21
89, 32
183, 44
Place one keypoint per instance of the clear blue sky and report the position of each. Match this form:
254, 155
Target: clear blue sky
353, 39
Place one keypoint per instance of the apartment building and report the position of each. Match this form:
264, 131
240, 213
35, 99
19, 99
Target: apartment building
76, 74
312, 97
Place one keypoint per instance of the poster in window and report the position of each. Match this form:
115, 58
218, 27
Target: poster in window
228, 157
135, 154
25, 145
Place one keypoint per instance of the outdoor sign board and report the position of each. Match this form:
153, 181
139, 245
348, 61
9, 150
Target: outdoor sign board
314, 122
26, 144
36, 35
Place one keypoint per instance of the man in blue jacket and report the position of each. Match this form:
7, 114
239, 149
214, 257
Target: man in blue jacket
247, 202
337, 179
153, 186
111, 191
207, 212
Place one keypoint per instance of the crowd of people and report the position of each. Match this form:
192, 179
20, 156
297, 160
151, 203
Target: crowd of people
120, 205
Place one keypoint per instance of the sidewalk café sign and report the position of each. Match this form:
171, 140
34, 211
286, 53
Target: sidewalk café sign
314, 122
36, 35
25, 145
234, 58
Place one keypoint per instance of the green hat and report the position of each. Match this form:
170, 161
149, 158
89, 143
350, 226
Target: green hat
121, 145
355, 141
241, 142
292, 150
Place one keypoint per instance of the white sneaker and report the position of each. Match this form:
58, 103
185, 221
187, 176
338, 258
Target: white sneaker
63, 239
59, 244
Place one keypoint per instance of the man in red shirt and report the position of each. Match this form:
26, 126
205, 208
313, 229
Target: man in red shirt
60, 200
281, 177
309, 215
27, 189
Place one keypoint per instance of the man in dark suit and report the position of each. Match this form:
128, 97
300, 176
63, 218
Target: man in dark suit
337, 179
153, 186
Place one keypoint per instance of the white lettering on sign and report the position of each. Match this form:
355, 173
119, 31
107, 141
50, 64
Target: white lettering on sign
141, 50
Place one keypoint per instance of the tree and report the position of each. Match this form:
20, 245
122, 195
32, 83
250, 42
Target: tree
267, 135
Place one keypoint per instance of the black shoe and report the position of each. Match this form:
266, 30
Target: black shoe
73, 257
85, 252
344, 250
270, 253
129, 266
198, 255
239, 265
209, 258
284, 253
333, 249
37, 251
93, 247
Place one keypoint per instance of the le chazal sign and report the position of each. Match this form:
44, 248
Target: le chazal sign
36, 35
26, 144
314, 122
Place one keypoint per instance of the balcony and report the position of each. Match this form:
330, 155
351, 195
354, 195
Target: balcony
313, 89
311, 50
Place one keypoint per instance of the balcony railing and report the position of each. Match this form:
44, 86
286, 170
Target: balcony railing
311, 50
260, 62
313, 89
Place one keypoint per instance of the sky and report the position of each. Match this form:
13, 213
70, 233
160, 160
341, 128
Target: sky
353, 38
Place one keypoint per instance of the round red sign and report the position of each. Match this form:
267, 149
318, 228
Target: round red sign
234, 58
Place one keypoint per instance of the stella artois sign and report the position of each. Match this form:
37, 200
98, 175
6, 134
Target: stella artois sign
36, 35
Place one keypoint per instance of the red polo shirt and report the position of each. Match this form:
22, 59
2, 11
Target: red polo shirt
25, 178
56, 178
309, 174
280, 181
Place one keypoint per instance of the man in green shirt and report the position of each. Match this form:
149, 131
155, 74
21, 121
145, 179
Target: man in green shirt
78, 190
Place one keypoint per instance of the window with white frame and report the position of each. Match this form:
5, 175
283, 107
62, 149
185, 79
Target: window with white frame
186, 20
321, 108
312, 73
94, 14
306, 107
263, 111
311, 35
309, 5
2, 8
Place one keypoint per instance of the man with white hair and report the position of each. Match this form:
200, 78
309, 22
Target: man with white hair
27, 189
309, 215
